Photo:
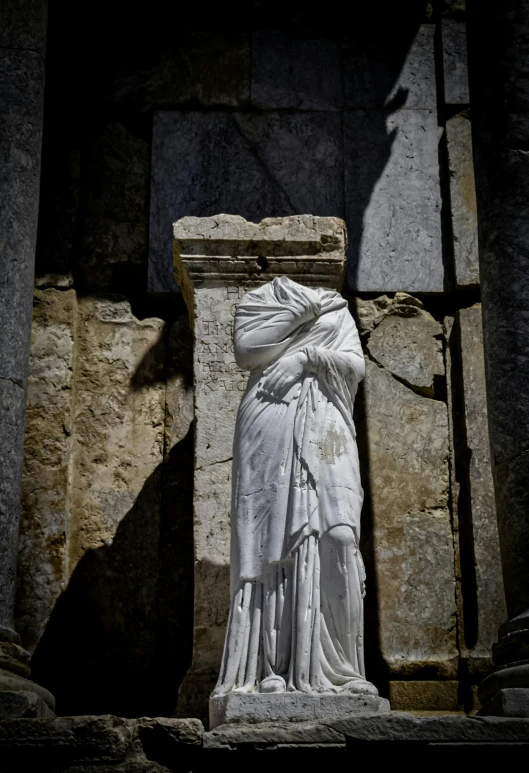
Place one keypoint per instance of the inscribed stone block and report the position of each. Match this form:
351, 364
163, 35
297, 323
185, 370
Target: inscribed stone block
390, 68
296, 70
46, 508
255, 166
463, 204
483, 602
393, 201
454, 35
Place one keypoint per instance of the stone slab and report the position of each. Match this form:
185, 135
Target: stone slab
253, 165
388, 67
482, 596
23, 24
397, 727
393, 201
407, 536
293, 707
427, 695
410, 348
455, 72
296, 69
463, 205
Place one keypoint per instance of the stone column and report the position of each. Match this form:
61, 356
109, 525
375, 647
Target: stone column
499, 77
22, 45
217, 259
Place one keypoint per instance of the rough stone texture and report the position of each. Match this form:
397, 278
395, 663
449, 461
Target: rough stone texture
105, 743
447, 729
21, 704
387, 66
393, 201
482, 595
296, 70
463, 204
114, 203
195, 67
407, 543
43, 564
21, 95
119, 425
409, 347
23, 24
374, 730
292, 707
256, 166
274, 735
455, 75
424, 696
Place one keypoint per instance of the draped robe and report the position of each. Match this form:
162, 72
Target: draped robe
296, 592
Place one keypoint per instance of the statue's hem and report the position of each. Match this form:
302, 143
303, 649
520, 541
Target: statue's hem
291, 706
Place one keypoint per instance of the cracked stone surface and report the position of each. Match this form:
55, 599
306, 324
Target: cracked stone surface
408, 541
410, 348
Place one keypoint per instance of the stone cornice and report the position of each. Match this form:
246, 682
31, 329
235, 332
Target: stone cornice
226, 249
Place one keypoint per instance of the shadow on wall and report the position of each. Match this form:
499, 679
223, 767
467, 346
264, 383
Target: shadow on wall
118, 640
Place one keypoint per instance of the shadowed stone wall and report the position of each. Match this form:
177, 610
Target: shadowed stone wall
259, 110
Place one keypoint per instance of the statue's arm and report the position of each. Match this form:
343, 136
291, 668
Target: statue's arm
260, 340
350, 364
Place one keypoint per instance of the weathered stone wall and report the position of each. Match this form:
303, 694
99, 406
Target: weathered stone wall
259, 114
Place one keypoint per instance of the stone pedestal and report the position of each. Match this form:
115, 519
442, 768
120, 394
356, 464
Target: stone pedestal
217, 260
290, 706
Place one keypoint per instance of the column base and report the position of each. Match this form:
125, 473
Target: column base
508, 702
12, 683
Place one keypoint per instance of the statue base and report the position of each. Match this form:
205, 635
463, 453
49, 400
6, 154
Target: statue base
291, 706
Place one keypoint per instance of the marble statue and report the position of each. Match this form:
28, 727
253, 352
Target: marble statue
297, 576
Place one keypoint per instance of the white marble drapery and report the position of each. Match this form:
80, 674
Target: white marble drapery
297, 582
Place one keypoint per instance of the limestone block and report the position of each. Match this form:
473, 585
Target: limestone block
47, 472
454, 35
393, 201
409, 347
197, 67
403, 446
114, 223
119, 426
294, 707
483, 602
440, 695
295, 69
378, 68
274, 735
251, 165
463, 204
